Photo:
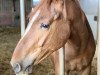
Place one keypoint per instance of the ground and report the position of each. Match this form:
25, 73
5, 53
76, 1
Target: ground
9, 37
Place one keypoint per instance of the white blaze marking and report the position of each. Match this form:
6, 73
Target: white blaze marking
31, 22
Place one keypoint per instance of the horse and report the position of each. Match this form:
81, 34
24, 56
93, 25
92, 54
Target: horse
55, 24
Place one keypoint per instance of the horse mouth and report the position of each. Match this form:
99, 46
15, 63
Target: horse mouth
29, 69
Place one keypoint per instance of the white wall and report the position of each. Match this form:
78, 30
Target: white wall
89, 6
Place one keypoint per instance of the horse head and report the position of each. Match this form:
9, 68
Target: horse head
48, 30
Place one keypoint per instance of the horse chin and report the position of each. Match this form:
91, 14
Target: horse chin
22, 73
41, 57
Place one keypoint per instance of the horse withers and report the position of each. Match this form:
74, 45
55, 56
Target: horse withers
54, 24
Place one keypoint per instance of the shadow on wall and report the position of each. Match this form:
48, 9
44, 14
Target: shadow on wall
90, 7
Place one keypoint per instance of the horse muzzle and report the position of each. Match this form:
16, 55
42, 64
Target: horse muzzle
21, 69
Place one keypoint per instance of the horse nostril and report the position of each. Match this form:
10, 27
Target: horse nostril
17, 68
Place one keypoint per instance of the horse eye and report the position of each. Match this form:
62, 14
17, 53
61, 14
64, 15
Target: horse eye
44, 25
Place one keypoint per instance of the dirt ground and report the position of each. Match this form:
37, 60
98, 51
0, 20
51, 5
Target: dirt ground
9, 37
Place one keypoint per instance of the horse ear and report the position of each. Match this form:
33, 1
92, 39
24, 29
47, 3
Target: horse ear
62, 7
56, 16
